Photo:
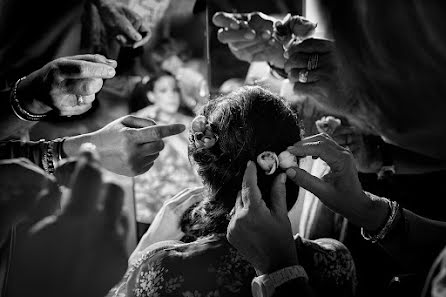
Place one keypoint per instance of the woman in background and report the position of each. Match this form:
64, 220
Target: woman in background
173, 172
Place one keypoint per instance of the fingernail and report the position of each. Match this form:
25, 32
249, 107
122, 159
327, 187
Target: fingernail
286, 55
291, 172
137, 37
249, 163
250, 35
282, 178
111, 61
112, 71
314, 157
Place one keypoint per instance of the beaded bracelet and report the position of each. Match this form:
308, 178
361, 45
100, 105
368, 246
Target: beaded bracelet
18, 109
394, 209
52, 153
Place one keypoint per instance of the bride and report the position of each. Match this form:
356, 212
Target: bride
229, 132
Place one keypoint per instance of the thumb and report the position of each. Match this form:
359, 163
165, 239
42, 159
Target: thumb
278, 195
250, 190
309, 182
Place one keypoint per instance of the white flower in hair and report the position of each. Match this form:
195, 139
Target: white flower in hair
268, 161
287, 160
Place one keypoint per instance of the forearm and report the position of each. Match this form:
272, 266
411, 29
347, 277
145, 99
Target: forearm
416, 241
24, 91
72, 144
10, 124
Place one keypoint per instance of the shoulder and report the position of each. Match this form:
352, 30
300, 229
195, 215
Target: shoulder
206, 266
329, 264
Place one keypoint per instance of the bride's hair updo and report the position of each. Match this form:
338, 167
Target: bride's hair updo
245, 123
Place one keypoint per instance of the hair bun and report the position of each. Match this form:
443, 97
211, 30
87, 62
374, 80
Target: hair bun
201, 134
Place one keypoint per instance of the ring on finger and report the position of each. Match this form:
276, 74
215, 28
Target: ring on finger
312, 62
80, 100
303, 76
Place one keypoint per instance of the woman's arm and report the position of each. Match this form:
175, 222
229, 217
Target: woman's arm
127, 146
416, 241
10, 124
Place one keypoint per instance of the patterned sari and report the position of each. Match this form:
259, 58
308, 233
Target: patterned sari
210, 267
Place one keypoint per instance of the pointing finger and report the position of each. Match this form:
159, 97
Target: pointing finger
158, 132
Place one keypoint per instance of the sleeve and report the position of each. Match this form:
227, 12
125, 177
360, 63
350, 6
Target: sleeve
42, 153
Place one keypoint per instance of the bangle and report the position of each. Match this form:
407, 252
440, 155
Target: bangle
394, 209
18, 109
48, 156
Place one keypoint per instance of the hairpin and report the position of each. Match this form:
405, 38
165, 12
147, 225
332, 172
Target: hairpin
269, 161
201, 133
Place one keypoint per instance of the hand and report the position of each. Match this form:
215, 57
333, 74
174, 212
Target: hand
250, 39
123, 23
322, 83
166, 225
79, 252
59, 84
250, 36
340, 189
368, 157
263, 236
22, 186
128, 145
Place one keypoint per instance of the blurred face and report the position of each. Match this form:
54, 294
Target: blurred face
165, 94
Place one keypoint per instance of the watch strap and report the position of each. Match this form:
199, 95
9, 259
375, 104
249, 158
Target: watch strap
277, 278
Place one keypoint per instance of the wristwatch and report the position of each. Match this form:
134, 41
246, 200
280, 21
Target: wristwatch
265, 285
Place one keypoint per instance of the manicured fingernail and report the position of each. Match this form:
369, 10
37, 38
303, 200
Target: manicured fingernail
282, 178
235, 26
250, 35
291, 172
